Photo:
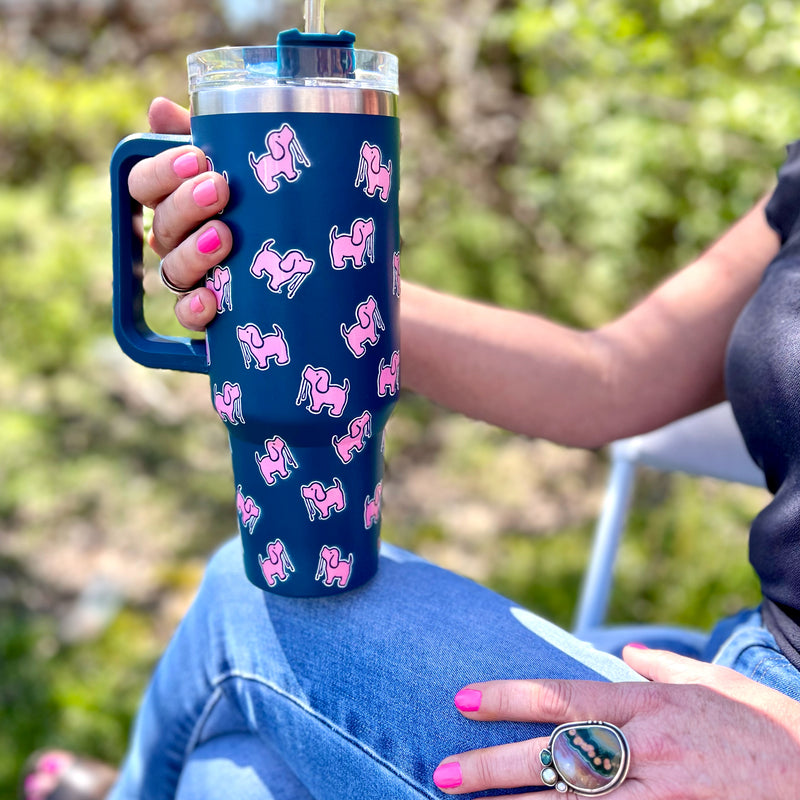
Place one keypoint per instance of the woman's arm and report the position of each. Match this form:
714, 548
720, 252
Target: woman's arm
660, 361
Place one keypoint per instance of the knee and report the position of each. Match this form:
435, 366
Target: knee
224, 572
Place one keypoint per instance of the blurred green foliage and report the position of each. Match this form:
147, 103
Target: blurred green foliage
558, 155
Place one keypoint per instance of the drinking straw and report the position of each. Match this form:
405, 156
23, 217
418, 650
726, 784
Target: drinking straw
315, 16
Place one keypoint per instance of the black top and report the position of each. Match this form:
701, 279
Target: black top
763, 385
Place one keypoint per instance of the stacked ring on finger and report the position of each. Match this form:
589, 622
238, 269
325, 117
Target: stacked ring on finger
168, 283
588, 758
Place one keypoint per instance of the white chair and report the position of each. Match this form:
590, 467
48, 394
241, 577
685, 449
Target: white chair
709, 444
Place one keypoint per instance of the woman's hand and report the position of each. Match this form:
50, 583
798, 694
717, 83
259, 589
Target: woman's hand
697, 731
185, 198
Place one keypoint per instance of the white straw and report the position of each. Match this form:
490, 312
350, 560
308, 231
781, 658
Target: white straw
315, 16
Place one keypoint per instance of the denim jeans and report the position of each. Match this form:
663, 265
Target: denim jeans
263, 697
744, 644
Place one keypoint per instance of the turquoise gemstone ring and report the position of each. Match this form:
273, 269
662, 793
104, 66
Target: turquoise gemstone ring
588, 758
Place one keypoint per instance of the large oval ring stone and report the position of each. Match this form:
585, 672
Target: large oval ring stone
588, 757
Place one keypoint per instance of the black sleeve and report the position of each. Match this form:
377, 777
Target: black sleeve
783, 207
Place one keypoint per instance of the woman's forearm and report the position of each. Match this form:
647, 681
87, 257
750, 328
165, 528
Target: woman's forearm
511, 369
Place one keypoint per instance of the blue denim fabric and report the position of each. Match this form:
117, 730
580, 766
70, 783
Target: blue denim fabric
744, 644
271, 698
262, 697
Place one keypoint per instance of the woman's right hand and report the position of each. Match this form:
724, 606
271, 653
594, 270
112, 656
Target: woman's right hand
185, 197
696, 731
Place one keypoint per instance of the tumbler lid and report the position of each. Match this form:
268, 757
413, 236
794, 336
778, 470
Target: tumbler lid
297, 60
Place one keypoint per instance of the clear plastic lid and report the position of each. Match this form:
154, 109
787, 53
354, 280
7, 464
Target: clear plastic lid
288, 65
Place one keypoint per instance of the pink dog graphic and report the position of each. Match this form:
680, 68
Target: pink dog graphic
261, 347
249, 512
357, 244
228, 403
376, 177
372, 507
317, 388
276, 462
289, 269
389, 375
276, 567
354, 441
321, 500
396, 274
365, 329
333, 567
283, 155
219, 282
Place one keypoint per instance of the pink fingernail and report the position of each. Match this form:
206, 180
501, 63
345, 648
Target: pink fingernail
208, 241
638, 646
448, 776
185, 166
205, 193
468, 700
196, 304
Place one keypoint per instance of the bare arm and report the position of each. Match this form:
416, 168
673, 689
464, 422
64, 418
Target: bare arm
661, 360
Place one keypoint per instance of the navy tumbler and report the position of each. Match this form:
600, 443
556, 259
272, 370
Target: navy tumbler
303, 355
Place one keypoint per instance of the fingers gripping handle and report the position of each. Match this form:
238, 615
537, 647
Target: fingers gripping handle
135, 337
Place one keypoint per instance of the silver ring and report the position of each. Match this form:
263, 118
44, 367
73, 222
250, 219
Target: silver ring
588, 758
168, 283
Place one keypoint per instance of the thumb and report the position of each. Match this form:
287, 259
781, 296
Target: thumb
663, 666
165, 116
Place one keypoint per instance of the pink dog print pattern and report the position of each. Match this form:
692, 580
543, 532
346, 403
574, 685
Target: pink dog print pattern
396, 274
373, 173
289, 269
333, 567
366, 328
276, 462
321, 500
389, 375
278, 565
228, 403
262, 347
282, 158
219, 282
355, 440
357, 246
318, 388
248, 510
372, 507
337, 268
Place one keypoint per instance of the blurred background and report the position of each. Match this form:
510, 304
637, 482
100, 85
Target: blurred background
560, 156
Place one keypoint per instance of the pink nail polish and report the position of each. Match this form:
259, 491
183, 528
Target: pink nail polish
448, 776
185, 166
638, 646
468, 700
208, 241
205, 193
196, 304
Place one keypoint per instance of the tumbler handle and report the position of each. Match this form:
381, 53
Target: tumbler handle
135, 337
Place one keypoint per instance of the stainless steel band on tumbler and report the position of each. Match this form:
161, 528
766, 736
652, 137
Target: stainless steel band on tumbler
314, 100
